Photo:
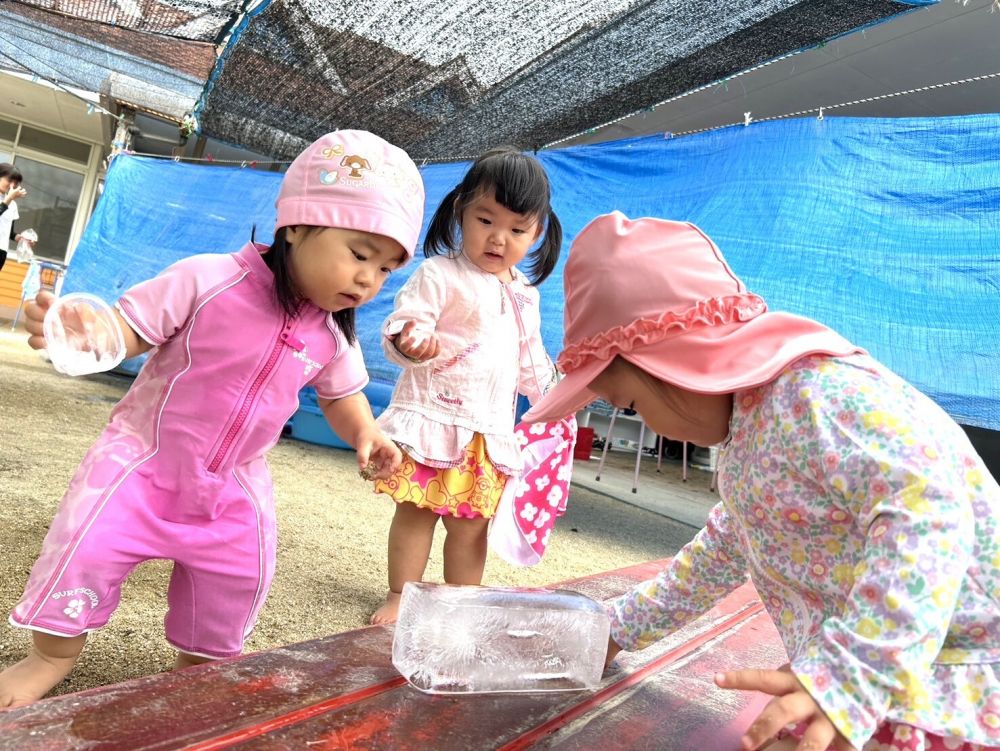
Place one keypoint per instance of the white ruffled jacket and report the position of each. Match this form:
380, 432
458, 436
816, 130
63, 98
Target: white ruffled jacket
472, 385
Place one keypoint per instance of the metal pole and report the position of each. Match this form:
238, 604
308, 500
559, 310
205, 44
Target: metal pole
638, 456
607, 442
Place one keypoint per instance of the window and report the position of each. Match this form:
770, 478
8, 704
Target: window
55, 170
8, 132
50, 206
50, 143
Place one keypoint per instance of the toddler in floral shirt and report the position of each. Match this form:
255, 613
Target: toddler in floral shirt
859, 509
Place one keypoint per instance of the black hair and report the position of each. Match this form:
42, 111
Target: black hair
519, 184
289, 299
9, 170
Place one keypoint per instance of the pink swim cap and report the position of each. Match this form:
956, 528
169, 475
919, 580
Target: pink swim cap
352, 179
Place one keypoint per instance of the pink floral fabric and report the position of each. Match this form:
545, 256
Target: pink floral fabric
542, 490
892, 737
871, 530
469, 490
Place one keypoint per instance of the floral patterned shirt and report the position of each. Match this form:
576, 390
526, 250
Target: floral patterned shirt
871, 530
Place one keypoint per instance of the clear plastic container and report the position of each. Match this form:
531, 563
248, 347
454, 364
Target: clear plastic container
82, 335
453, 639
24, 251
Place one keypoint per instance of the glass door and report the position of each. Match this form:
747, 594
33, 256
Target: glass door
50, 205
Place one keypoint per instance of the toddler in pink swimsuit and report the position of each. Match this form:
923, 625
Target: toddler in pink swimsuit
179, 472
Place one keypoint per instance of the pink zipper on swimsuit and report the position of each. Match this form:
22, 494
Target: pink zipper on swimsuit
241, 417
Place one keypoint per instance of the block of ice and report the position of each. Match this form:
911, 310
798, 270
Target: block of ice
464, 639
82, 335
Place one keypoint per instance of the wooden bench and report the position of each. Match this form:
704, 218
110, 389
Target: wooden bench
341, 692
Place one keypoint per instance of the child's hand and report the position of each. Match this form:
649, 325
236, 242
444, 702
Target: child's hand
15, 192
792, 705
416, 345
378, 457
34, 317
80, 326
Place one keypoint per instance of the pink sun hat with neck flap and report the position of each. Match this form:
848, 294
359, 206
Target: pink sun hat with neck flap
659, 294
352, 179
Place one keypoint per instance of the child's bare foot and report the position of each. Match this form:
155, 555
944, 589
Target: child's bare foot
31, 678
388, 612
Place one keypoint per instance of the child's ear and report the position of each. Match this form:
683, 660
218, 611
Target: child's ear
292, 234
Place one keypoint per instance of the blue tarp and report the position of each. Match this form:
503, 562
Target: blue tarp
887, 230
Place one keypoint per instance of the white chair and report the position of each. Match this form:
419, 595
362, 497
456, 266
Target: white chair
684, 470
659, 455
607, 443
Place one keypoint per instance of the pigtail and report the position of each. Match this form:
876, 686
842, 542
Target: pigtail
543, 260
440, 238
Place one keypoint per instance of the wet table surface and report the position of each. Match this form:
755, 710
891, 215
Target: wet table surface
341, 692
